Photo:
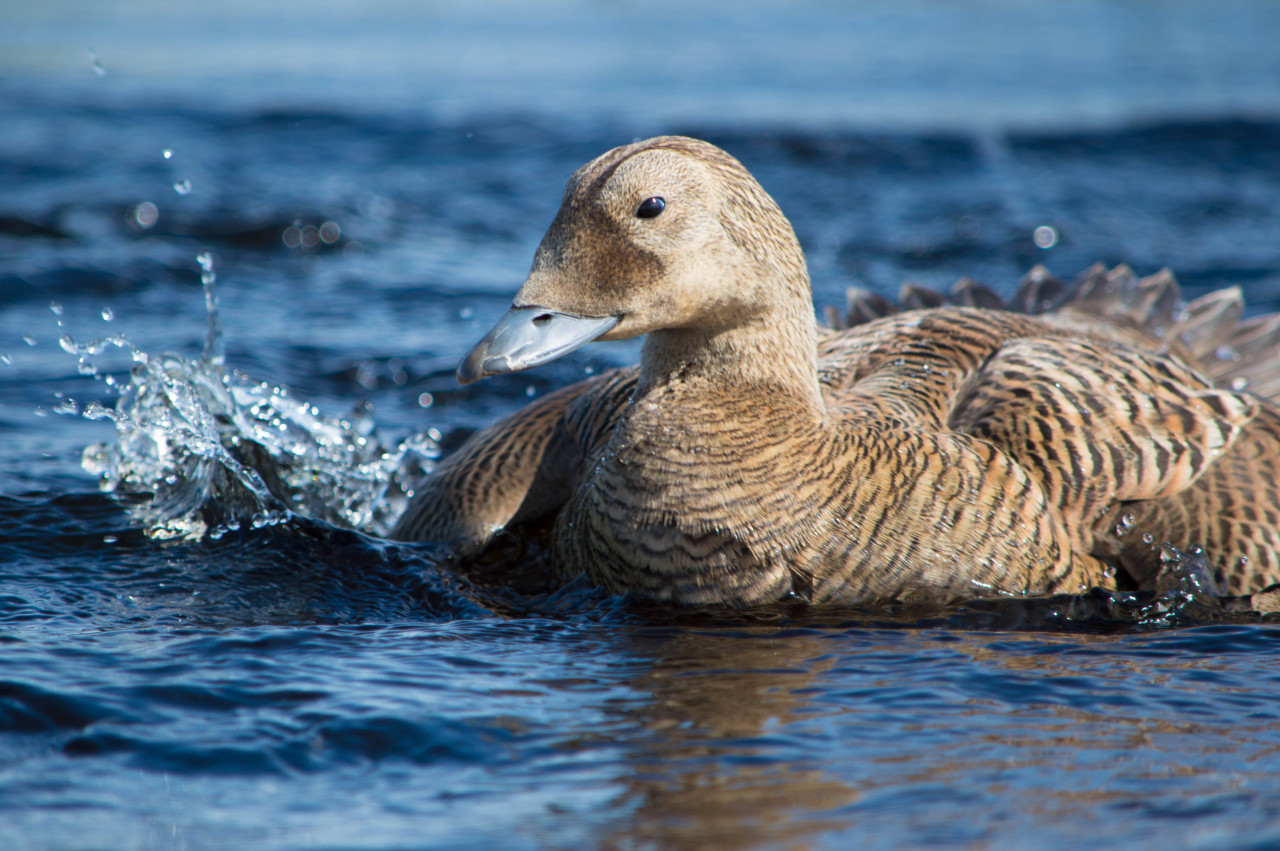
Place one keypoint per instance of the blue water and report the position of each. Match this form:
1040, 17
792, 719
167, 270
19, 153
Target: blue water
306, 685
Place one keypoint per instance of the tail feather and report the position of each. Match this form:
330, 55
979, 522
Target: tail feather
1038, 292
914, 297
1259, 334
1209, 322
865, 306
1249, 357
1235, 354
1161, 297
969, 293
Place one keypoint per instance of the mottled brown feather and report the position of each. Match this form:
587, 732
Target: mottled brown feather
954, 450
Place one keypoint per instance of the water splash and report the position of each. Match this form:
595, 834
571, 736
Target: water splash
202, 450
1186, 588
214, 351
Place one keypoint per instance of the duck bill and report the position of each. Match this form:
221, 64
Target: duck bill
528, 336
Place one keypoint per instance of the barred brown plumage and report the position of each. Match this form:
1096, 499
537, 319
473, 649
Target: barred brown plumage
956, 448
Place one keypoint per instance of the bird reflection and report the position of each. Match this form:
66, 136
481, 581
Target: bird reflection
747, 735
723, 760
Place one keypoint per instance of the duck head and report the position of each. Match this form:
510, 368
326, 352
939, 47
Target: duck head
666, 234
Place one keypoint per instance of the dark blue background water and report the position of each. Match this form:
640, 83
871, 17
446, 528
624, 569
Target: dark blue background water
304, 687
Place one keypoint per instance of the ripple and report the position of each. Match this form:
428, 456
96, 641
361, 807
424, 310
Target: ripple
27, 708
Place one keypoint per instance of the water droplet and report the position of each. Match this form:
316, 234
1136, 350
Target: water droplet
144, 216
1045, 236
96, 411
1239, 383
6, 359
1148, 538
1125, 524
28, 339
1226, 353
214, 351
182, 187
109, 539
108, 314
426, 400
167, 153
529, 391
329, 233
56, 308
466, 313
96, 65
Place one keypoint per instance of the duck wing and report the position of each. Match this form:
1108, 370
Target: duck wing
1145, 419
1100, 426
519, 469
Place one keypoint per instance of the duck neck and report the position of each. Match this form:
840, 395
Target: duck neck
771, 349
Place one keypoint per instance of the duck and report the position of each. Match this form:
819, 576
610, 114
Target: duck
950, 447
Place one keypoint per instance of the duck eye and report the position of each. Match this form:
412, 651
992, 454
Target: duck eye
650, 207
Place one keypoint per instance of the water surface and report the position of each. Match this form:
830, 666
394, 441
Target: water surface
272, 679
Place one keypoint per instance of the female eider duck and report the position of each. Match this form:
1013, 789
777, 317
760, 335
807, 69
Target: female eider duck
946, 451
